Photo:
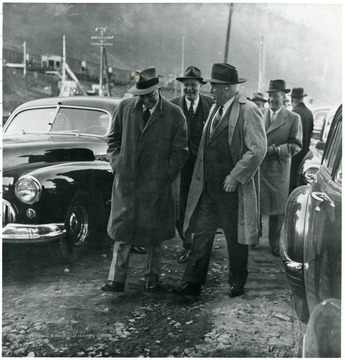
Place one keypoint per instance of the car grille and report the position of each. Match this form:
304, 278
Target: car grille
8, 213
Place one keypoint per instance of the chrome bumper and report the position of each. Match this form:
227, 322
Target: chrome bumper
23, 233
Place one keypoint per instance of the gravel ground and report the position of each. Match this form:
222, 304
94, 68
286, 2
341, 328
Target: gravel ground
58, 310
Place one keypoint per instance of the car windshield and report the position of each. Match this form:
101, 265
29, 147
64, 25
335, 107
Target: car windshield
62, 119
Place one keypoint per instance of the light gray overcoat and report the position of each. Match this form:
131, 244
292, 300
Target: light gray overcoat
286, 131
247, 145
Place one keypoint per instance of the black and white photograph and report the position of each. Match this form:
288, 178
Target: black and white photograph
171, 179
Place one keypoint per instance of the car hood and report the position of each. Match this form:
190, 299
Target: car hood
27, 152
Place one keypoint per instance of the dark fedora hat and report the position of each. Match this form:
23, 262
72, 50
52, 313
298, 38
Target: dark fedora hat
223, 73
298, 93
277, 85
191, 72
147, 82
258, 96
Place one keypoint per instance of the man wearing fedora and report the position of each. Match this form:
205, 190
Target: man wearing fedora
195, 107
147, 148
297, 96
284, 140
259, 100
222, 192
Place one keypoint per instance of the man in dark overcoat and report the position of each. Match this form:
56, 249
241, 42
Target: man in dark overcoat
284, 140
223, 192
147, 148
195, 107
298, 106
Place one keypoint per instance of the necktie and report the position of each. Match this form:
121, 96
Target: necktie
191, 110
273, 117
217, 118
146, 116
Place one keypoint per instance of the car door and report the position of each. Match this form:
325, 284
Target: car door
322, 251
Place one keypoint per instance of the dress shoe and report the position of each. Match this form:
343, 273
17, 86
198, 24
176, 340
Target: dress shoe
138, 250
189, 289
113, 286
235, 291
184, 257
151, 286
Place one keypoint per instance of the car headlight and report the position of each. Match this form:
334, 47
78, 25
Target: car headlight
28, 189
310, 174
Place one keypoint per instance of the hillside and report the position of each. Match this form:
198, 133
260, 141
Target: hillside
302, 42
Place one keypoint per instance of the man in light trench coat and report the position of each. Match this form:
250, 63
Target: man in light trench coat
223, 192
284, 140
147, 148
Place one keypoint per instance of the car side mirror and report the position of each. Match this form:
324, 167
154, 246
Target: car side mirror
320, 145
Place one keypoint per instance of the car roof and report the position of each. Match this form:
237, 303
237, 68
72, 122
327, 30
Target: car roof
107, 103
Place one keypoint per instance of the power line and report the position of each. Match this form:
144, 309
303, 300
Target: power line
247, 27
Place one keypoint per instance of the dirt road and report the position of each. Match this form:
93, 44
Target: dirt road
58, 310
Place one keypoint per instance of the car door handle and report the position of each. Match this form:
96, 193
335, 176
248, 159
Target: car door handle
321, 197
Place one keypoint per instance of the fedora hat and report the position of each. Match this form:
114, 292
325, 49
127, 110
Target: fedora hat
298, 93
258, 96
147, 82
277, 85
191, 72
223, 73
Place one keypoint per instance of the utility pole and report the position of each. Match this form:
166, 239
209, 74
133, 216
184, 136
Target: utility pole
261, 64
182, 62
24, 61
228, 35
63, 65
102, 44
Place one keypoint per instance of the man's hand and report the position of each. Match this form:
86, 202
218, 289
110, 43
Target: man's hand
230, 184
273, 150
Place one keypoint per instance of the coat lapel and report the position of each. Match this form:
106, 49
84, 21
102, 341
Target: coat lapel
138, 114
155, 115
279, 121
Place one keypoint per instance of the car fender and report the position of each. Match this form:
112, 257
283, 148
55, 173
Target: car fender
292, 238
60, 183
322, 338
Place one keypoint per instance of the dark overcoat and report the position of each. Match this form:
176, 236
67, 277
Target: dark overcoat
243, 124
145, 161
285, 131
307, 126
181, 192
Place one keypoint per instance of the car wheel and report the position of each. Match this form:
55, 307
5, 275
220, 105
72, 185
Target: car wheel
81, 229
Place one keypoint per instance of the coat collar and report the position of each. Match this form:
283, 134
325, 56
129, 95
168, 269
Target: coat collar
138, 109
279, 121
230, 117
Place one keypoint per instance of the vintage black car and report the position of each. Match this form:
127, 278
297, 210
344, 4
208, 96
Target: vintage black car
311, 163
56, 177
311, 250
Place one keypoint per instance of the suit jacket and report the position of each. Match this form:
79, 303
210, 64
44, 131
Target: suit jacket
307, 126
205, 104
285, 131
145, 161
243, 126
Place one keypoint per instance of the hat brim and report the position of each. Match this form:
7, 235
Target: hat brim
259, 99
275, 90
298, 97
132, 88
180, 79
217, 81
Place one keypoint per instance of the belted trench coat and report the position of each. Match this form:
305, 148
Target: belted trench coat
145, 161
247, 146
